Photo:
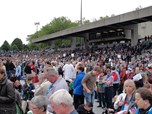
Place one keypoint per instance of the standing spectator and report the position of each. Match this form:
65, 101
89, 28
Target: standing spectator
138, 82
17, 86
60, 69
32, 65
7, 68
89, 84
27, 69
116, 78
108, 81
69, 71
101, 91
57, 82
123, 77
62, 102
7, 94
11, 68
2, 66
18, 71
78, 88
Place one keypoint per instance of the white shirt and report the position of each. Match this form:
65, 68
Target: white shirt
69, 71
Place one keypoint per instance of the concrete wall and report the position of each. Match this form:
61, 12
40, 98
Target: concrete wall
144, 29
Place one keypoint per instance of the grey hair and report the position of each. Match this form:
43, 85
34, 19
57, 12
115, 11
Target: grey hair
62, 96
40, 101
51, 72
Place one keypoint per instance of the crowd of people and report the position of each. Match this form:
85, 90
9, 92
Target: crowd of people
42, 82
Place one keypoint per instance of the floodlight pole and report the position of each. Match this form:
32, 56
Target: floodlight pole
81, 22
37, 24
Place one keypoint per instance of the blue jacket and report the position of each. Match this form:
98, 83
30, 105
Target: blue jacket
78, 88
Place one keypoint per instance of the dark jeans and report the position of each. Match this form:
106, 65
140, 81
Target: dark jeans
78, 100
120, 89
108, 96
115, 89
101, 97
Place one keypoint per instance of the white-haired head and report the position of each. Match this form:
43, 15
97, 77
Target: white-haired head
40, 101
62, 96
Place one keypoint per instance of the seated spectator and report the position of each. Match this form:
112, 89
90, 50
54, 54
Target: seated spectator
62, 102
27, 93
144, 101
85, 108
38, 105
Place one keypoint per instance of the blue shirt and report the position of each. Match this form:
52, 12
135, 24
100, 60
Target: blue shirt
78, 88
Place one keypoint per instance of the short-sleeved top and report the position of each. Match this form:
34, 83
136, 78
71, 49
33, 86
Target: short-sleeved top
89, 80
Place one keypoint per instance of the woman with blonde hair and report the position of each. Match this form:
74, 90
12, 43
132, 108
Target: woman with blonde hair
126, 100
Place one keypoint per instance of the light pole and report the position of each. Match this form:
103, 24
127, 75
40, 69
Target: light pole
81, 21
37, 24
81, 13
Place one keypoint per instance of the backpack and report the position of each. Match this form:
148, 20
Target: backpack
115, 76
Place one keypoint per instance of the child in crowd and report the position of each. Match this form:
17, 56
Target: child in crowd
85, 109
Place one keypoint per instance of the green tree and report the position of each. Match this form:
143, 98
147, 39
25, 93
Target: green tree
18, 42
25, 47
33, 46
14, 47
5, 46
57, 24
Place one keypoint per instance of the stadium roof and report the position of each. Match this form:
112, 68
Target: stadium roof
116, 22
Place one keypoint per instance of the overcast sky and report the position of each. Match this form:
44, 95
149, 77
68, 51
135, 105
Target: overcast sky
17, 17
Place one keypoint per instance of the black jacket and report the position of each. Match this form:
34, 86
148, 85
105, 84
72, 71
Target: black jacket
82, 110
7, 97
